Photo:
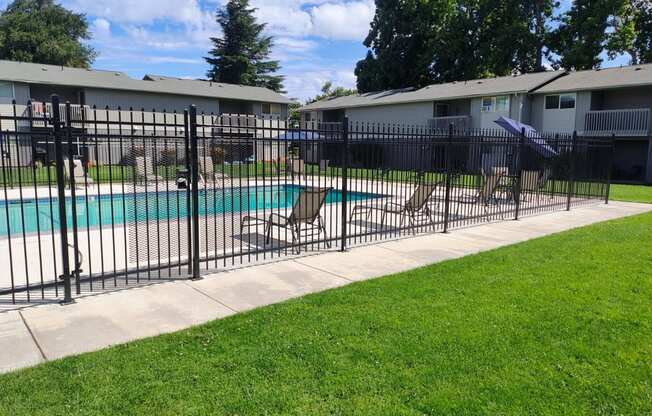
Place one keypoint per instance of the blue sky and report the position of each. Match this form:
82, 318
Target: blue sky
316, 40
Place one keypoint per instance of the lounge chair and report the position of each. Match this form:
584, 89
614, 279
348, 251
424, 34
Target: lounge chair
414, 208
207, 172
305, 211
145, 170
485, 195
543, 181
296, 167
80, 177
534, 182
529, 184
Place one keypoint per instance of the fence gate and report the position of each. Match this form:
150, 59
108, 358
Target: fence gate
102, 200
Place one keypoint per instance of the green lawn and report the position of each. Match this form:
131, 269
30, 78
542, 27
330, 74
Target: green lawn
633, 193
557, 325
27, 176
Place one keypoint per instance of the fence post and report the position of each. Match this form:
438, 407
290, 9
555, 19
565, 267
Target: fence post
73, 195
194, 184
610, 167
571, 173
519, 179
186, 140
61, 197
447, 197
345, 181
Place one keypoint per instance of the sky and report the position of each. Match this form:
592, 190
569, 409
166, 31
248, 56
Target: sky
315, 40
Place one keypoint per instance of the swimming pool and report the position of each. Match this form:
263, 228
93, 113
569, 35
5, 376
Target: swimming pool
33, 215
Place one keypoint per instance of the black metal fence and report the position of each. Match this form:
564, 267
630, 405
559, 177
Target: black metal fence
95, 199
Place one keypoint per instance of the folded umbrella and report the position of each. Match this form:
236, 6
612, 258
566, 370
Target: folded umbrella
532, 138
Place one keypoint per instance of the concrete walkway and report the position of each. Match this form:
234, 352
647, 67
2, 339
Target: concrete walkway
37, 334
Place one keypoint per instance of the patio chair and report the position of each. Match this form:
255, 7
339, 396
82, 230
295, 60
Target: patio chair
485, 195
207, 172
529, 184
145, 171
297, 167
305, 211
80, 176
415, 207
544, 179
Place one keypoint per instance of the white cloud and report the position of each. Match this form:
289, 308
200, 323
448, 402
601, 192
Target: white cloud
101, 29
341, 20
139, 11
305, 81
143, 33
344, 21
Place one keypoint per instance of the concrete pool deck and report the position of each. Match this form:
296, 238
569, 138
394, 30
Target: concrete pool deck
47, 332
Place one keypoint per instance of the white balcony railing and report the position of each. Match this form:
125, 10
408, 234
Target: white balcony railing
458, 122
324, 126
77, 112
629, 123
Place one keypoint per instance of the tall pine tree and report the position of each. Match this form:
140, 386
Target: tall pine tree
241, 55
42, 32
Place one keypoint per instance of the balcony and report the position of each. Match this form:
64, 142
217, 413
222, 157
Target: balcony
321, 126
622, 123
442, 123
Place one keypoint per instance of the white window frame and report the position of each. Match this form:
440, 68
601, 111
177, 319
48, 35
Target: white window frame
558, 108
493, 108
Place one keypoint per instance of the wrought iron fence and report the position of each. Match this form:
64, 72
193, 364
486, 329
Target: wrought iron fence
105, 199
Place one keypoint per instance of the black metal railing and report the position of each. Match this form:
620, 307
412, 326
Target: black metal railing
125, 197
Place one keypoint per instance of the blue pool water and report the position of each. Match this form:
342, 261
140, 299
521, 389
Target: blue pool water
43, 214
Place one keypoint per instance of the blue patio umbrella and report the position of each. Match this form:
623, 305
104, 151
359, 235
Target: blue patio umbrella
532, 137
299, 135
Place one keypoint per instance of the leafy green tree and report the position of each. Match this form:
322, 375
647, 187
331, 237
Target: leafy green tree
241, 55
294, 116
582, 34
632, 31
515, 34
42, 32
368, 74
418, 42
400, 43
327, 91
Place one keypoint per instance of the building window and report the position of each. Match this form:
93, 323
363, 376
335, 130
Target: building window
307, 117
487, 105
441, 110
271, 108
552, 102
562, 101
493, 104
567, 101
502, 103
6, 90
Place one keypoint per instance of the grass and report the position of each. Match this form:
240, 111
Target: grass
557, 325
632, 193
28, 176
